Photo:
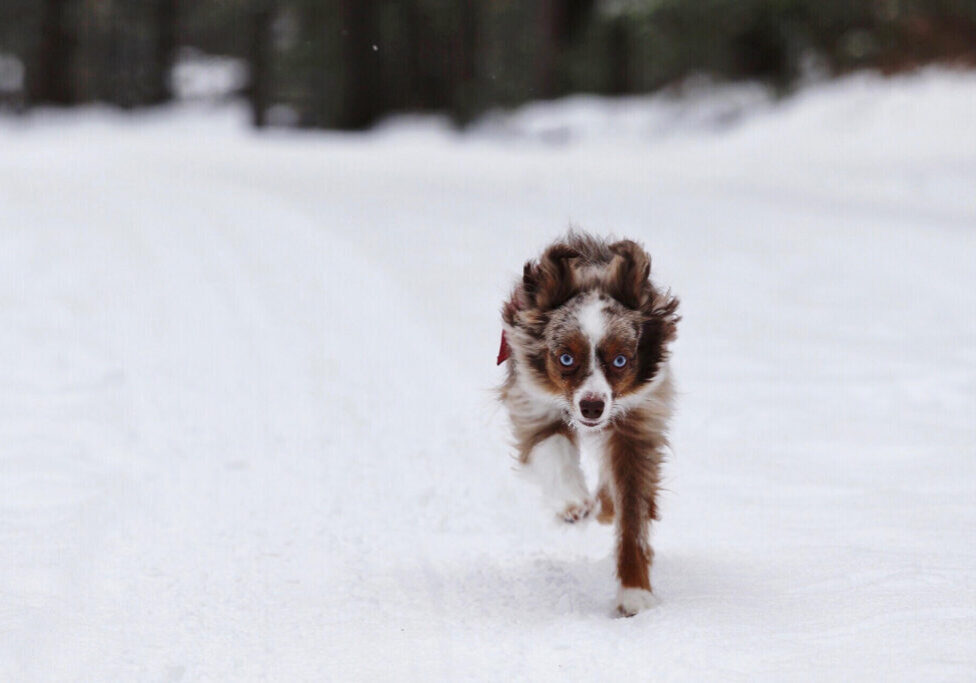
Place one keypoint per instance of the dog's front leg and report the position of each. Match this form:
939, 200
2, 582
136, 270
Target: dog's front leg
634, 469
554, 464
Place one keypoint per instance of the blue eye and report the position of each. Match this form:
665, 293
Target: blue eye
620, 361
566, 359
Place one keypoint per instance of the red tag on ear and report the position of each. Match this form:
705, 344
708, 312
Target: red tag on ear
504, 351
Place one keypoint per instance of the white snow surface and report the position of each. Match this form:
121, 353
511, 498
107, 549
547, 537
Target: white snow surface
248, 430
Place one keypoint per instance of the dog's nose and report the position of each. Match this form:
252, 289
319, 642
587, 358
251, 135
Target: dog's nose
592, 409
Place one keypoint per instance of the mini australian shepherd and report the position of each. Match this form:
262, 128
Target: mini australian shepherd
587, 338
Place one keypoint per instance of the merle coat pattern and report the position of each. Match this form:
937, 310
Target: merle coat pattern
589, 335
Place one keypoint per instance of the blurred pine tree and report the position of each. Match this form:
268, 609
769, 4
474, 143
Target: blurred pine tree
347, 63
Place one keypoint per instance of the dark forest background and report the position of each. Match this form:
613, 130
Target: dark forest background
346, 63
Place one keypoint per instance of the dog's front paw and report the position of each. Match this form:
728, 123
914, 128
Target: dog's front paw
577, 512
630, 601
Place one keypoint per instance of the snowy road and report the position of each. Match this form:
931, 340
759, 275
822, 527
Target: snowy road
247, 428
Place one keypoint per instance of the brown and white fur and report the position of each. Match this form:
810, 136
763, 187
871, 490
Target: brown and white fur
592, 301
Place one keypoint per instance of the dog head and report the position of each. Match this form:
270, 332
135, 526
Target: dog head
588, 330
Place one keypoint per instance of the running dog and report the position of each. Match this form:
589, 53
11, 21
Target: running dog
587, 336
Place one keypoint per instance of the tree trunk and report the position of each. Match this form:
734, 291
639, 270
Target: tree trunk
418, 86
165, 24
360, 105
467, 47
259, 53
619, 81
576, 15
561, 23
549, 21
50, 81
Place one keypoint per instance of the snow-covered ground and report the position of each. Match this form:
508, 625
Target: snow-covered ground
246, 418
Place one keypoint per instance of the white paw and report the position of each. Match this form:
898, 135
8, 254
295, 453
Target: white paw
577, 512
630, 601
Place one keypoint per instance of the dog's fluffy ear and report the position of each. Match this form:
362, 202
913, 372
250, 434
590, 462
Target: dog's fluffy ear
627, 277
659, 329
550, 282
